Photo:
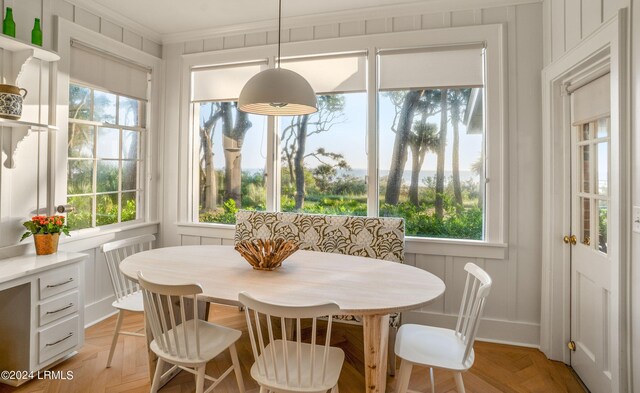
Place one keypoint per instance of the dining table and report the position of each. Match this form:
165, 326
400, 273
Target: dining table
369, 288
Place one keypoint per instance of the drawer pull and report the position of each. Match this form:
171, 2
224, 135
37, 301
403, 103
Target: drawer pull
62, 283
61, 340
60, 309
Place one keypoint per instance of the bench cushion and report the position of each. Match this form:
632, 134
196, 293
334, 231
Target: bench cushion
373, 237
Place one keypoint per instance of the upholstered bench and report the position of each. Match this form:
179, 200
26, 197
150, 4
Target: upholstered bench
373, 237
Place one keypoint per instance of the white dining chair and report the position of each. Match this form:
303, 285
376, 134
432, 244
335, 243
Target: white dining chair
126, 291
445, 348
188, 344
288, 366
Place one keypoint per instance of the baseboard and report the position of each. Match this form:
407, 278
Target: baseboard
500, 331
98, 311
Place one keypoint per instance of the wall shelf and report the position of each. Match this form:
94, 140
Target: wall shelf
20, 53
13, 45
21, 123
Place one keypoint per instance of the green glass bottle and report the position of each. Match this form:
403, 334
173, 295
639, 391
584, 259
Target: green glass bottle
36, 33
8, 25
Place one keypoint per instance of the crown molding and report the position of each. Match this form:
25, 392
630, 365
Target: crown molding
117, 17
396, 10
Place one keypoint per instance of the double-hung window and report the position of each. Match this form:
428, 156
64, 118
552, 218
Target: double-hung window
106, 139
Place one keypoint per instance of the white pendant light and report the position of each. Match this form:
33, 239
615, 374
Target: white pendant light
276, 91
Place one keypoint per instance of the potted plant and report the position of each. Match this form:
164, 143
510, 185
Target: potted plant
46, 233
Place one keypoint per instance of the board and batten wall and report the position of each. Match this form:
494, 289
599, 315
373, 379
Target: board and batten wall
26, 190
568, 22
513, 310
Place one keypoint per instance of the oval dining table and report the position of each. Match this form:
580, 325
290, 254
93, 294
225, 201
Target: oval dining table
365, 287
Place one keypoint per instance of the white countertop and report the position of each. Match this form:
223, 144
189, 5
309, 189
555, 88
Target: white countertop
25, 265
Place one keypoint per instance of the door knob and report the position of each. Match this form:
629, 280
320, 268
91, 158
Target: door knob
570, 240
586, 241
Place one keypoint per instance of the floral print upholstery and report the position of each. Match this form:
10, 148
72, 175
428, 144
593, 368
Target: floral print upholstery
373, 237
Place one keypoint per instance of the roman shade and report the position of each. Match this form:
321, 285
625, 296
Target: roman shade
110, 72
436, 67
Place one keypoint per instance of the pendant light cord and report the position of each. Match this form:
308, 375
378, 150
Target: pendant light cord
279, 30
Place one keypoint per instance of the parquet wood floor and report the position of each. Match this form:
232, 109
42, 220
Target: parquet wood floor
498, 368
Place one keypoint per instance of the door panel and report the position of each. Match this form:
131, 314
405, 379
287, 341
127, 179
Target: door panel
590, 264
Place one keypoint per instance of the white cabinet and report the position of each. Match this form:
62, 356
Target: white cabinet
41, 312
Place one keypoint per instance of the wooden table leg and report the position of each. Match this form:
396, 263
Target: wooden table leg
376, 337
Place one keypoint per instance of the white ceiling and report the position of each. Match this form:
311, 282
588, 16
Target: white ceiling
167, 17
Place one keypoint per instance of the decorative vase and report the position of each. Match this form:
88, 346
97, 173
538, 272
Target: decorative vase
46, 243
11, 98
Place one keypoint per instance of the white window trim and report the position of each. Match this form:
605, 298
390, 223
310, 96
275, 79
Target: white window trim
68, 31
492, 36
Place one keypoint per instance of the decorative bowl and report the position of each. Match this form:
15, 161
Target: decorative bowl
266, 254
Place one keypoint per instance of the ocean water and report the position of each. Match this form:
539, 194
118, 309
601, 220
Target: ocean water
406, 176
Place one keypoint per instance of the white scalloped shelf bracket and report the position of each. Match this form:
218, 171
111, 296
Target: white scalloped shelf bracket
14, 133
20, 60
22, 53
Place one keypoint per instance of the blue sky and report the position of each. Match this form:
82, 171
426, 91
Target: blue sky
349, 139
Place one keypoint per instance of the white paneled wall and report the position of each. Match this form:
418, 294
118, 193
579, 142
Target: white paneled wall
513, 312
569, 21
24, 11
24, 189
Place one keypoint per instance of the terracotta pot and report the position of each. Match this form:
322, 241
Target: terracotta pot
46, 243
11, 101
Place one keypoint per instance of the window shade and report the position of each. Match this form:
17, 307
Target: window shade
332, 74
432, 68
592, 101
222, 83
103, 70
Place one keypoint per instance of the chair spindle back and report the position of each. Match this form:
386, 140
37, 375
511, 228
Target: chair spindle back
289, 363
116, 252
476, 290
171, 328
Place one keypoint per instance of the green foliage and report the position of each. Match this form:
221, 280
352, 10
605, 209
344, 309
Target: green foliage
225, 215
422, 221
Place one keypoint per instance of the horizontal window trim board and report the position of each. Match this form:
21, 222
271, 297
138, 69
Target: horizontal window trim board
413, 245
455, 248
502, 331
95, 237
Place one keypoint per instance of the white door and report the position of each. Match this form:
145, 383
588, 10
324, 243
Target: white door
591, 267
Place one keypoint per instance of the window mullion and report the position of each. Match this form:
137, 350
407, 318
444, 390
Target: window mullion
273, 165
372, 133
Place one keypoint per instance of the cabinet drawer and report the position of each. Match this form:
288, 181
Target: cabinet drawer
57, 339
58, 281
53, 310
